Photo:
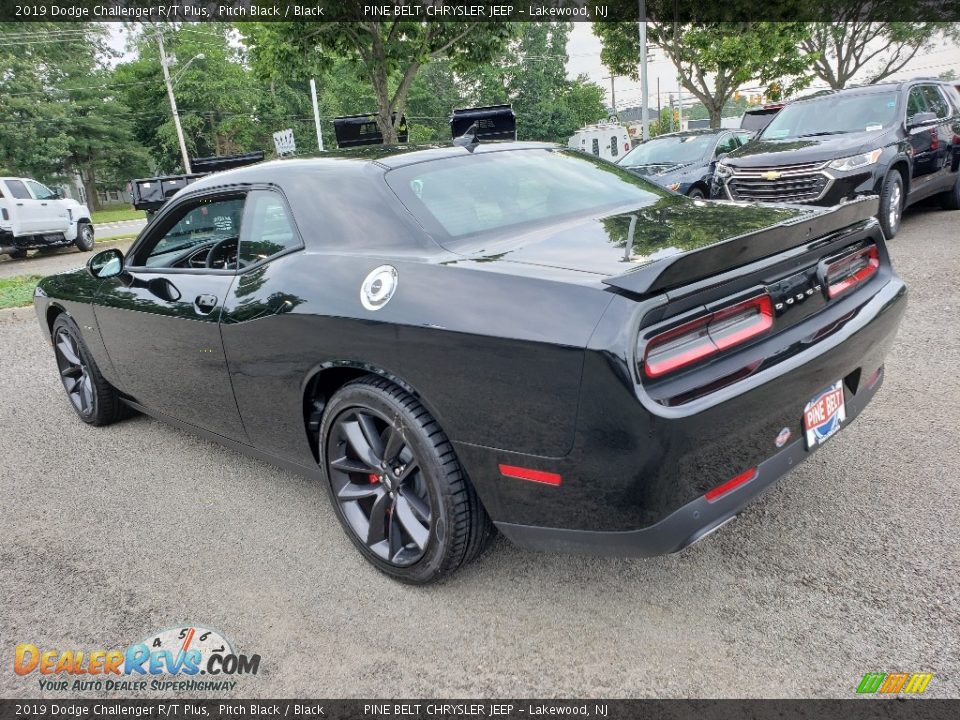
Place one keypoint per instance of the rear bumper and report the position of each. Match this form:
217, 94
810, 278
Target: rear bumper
686, 525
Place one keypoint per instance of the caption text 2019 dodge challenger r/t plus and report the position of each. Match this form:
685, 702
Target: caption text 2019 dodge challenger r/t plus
503, 336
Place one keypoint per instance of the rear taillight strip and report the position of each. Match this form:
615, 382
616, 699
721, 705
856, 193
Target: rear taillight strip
850, 270
706, 336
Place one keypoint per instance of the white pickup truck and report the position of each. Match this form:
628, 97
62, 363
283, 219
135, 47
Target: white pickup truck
33, 216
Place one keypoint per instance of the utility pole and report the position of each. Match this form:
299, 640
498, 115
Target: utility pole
173, 105
613, 93
316, 113
642, 7
680, 102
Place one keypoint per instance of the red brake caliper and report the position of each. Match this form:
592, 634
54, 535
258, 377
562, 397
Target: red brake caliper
373, 478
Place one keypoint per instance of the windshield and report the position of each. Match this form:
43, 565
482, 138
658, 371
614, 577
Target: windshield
832, 115
469, 194
672, 150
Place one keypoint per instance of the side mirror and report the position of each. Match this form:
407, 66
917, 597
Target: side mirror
58, 194
106, 264
921, 118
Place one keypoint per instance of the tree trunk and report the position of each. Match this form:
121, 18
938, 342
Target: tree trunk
715, 114
89, 179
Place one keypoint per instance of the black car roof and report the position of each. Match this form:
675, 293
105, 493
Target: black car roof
385, 156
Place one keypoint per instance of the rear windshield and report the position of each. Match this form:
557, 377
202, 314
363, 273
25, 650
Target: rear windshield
467, 195
834, 115
757, 119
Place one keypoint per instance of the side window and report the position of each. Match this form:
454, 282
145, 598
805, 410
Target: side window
596, 147
200, 226
614, 146
267, 228
935, 102
915, 102
18, 190
727, 144
40, 192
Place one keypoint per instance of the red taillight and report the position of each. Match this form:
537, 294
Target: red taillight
730, 485
842, 274
537, 476
720, 330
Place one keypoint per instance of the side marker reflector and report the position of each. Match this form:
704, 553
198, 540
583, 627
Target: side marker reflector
730, 485
537, 476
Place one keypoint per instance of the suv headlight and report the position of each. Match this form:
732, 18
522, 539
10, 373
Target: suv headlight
857, 161
723, 170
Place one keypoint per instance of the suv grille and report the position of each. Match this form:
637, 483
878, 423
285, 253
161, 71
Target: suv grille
787, 183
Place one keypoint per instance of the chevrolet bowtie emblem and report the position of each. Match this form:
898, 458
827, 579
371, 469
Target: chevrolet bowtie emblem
770, 175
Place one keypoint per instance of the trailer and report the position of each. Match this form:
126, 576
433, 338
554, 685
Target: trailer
150, 194
609, 140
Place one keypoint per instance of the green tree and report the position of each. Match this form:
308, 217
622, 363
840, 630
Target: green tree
390, 54
218, 98
856, 46
712, 59
532, 77
59, 111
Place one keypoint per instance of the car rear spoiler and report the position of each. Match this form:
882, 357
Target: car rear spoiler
688, 267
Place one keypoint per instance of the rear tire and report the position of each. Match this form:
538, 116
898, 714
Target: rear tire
95, 400
891, 204
396, 484
950, 200
85, 239
18, 254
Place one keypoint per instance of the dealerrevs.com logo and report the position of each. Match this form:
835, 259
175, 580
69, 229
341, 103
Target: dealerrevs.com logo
179, 659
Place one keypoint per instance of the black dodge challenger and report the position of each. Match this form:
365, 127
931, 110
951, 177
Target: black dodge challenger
512, 336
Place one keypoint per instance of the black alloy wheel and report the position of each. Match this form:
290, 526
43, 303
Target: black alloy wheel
95, 400
396, 484
379, 485
74, 373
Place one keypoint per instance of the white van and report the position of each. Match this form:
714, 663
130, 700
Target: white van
610, 140
34, 216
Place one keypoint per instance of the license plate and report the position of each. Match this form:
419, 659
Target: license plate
823, 414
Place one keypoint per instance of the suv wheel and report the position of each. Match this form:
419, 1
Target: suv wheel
84, 239
396, 485
891, 204
17, 254
696, 193
950, 200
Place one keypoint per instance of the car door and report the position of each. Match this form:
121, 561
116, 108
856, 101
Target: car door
941, 138
25, 214
159, 319
922, 147
51, 211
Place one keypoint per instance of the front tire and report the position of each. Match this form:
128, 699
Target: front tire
95, 400
396, 484
696, 193
18, 254
891, 204
85, 239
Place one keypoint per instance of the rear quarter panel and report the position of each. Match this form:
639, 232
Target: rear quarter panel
497, 359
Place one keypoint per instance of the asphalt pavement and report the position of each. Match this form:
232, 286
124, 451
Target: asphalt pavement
849, 565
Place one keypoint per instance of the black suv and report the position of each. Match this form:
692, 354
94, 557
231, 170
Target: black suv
899, 140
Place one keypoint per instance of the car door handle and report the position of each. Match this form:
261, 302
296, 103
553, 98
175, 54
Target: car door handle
44, 204
204, 304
